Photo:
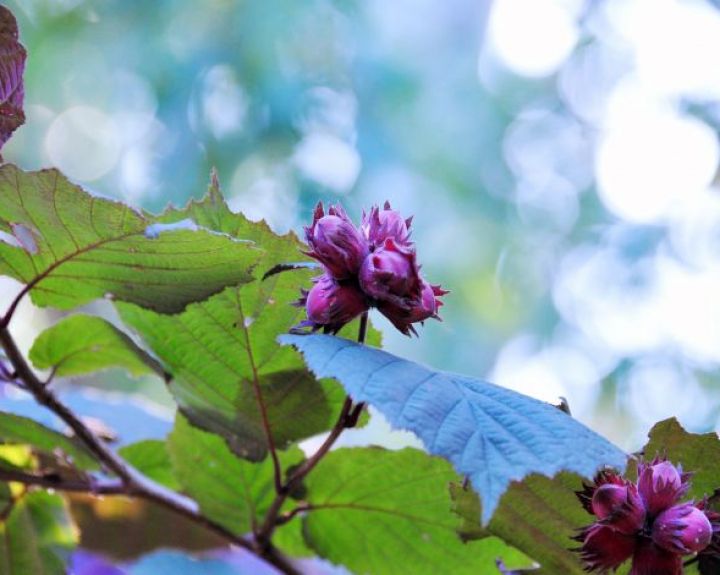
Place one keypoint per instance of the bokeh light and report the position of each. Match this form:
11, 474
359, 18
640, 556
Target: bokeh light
560, 158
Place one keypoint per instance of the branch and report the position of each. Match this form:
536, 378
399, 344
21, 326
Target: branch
131, 481
347, 418
52, 481
290, 515
104, 454
5, 320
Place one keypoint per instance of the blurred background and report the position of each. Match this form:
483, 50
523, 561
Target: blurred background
560, 158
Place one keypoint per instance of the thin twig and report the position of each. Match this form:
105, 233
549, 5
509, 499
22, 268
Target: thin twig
52, 481
5, 320
356, 412
287, 517
264, 534
51, 376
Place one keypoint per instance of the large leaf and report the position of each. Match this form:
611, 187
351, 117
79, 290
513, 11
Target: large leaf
232, 491
213, 213
76, 247
388, 512
18, 430
35, 530
82, 344
223, 353
491, 434
538, 516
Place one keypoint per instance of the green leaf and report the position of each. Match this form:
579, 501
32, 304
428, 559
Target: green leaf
538, 516
82, 344
491, 434
213, 213
699, 454
385, 512
18, 430
151, 458
232, 491
290, 539
222, 353
76, 247
36, 531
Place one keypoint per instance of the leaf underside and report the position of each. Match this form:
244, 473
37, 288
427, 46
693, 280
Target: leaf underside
489, 433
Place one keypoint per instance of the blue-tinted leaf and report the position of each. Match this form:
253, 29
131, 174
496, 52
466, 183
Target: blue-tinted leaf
491, 434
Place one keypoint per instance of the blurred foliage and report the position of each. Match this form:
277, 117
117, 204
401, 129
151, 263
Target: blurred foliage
558, 287
418, 103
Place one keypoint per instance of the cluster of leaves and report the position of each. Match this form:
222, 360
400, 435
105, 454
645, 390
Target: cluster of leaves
197, 308
191, 283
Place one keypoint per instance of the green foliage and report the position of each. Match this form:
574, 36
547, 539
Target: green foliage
491, 434
82, 344
232, 491
151, 457
538, 516
384, 512
35, 530
18, 430
213, 213
699, 454
192, 283
223, 352
76, 247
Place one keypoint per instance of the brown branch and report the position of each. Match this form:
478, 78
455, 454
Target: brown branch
52, 481
344, 420
131, 482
